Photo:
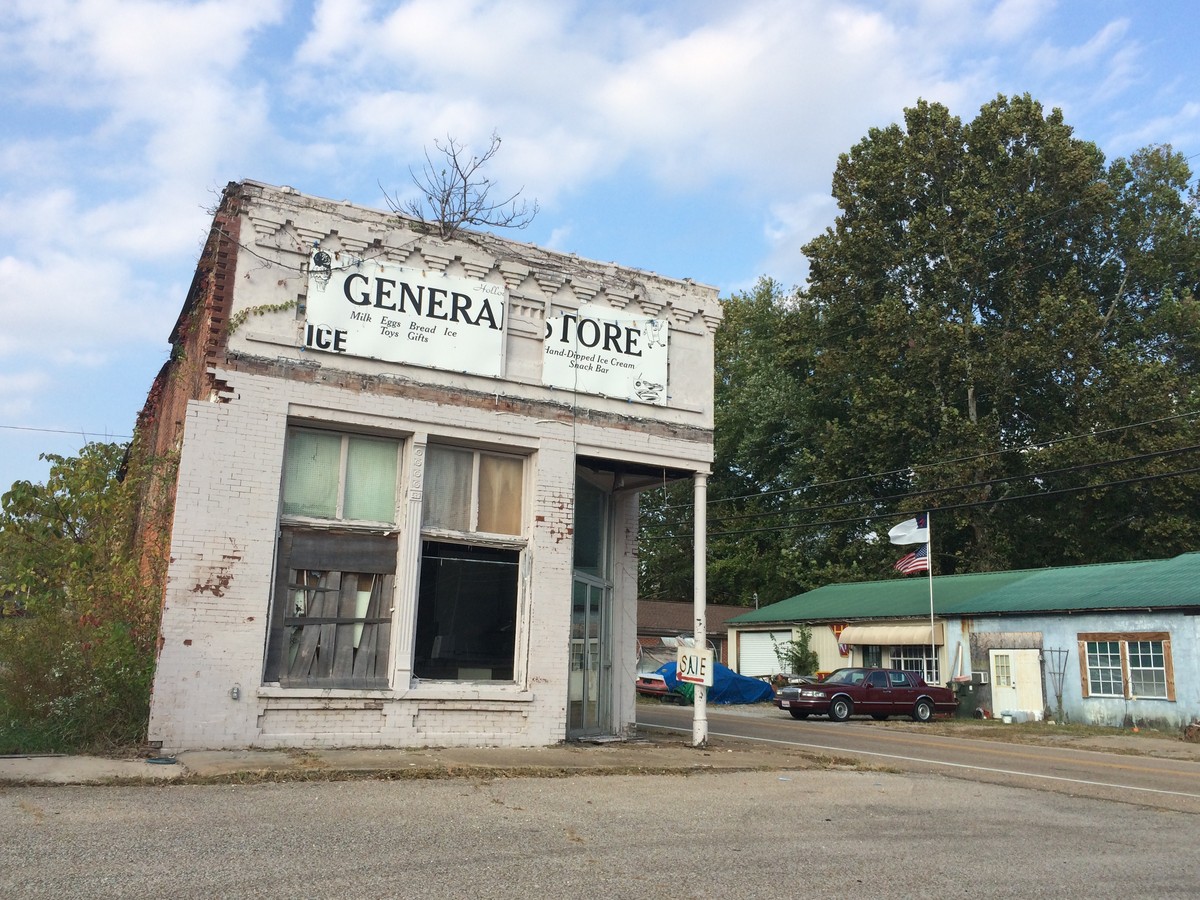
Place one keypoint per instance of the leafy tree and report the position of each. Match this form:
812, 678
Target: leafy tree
77, 664
754, 437
988, 288
998, 326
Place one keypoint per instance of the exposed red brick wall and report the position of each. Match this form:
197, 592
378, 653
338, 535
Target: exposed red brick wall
198, 341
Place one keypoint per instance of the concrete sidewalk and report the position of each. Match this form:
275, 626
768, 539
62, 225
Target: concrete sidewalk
650, 753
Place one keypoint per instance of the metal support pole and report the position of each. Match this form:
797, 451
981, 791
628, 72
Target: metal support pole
699, 566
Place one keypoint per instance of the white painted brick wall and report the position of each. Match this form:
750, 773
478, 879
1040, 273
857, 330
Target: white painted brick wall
219, 586
220, 580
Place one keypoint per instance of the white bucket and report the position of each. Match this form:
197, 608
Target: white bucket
1006, 719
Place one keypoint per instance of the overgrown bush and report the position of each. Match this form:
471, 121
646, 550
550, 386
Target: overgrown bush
76, 665
70, 685
795, 656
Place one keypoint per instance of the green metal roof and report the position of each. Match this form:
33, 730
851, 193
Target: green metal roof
1124, 585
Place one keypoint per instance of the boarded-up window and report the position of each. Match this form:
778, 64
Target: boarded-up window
331, 623
331, 609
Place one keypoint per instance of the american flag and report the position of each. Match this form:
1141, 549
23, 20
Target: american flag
917, 561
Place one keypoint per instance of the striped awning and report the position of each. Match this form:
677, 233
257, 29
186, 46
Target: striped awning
891, 635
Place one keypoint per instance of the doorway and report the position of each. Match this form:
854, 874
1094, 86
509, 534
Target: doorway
589, 685
1016, 677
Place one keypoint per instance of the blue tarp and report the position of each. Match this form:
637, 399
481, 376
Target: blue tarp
728, 685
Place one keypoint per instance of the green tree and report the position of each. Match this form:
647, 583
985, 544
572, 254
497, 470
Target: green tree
998, 325
988, 288
754, 439
77, 664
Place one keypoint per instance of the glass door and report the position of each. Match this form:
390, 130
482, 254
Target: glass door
590, 682
589, 709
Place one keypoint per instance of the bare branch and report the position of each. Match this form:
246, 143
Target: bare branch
453, 192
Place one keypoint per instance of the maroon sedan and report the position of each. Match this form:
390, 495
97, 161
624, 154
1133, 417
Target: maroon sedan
875, 692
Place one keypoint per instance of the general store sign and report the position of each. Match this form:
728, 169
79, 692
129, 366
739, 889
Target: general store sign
403, 315
596, 350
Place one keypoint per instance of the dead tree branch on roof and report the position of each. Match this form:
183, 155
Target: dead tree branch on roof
453, 193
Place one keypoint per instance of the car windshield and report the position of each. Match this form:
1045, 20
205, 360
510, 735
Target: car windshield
845, 676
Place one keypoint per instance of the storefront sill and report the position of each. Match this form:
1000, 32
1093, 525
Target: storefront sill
451, 691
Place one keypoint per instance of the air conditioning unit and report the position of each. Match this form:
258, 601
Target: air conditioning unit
979, 678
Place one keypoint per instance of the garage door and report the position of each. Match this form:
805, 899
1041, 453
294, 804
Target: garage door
756, 651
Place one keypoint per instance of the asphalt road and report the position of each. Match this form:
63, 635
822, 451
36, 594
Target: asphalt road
1160, 783
793, 834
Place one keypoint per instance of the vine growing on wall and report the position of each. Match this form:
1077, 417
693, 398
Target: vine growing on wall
238, 319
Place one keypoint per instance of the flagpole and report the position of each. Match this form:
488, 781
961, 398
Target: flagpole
929, 569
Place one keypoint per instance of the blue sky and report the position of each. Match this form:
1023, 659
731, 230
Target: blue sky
692, 138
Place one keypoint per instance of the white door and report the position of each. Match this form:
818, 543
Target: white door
1016, 677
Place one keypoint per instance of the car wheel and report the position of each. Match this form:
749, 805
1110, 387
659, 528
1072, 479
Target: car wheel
840, 709
923, 711
879, 717
799, 713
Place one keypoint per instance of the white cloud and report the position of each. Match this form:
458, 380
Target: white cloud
124, 115
153, 47
1105, 65
758, 92
1011, 19
558, 237
17, 392
62, 308
1180, 128
337, 31
789, 225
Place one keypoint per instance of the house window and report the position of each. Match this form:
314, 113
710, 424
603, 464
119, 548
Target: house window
1003, 666
335, 562
471, 557
1104, 669
920, 659
1147, 669
1128, 665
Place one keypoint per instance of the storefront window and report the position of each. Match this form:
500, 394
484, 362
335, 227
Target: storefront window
920, 660
467, 612
471, 557
331, 612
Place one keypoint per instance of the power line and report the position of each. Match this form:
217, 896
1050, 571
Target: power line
928, 492
121, 437
995, 501
1042, 445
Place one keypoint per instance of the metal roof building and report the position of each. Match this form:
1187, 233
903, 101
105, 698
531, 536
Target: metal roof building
1106, 643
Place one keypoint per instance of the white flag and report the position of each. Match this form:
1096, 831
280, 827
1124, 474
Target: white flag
911, 531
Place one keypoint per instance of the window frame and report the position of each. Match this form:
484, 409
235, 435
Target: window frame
339, 518
321, 634
472, 537
1123, 640
903, 656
